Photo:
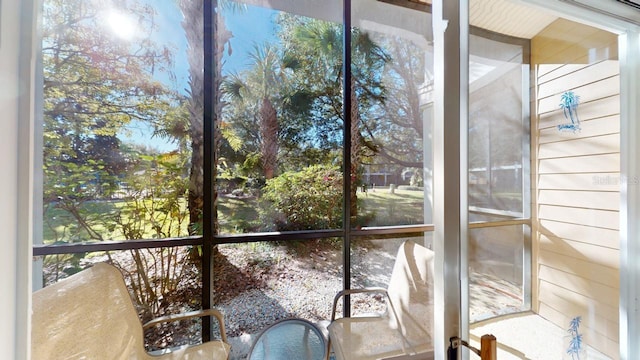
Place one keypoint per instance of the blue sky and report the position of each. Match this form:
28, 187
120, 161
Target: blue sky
169, 33
250, 26
254, 25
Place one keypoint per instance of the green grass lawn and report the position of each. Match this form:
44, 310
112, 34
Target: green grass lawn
380, 207
110, 218
376, 208
113, 220
61, 225
237, 215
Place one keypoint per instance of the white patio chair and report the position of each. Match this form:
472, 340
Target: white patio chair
90, 316
404, 329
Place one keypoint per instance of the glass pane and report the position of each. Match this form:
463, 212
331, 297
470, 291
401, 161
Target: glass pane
496, 123
404, 267
392, 66
118, 125
496, 271
498, 155
258, 284
280, 144
575, 150
160, 282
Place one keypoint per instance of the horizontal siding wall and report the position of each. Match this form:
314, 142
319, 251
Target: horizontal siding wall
577, 177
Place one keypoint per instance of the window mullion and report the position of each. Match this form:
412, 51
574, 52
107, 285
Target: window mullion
208, 211
346, 163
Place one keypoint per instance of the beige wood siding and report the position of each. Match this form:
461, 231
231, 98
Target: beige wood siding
576, 177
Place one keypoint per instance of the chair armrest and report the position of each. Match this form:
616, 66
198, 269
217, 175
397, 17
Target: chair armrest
357, 291
188, 315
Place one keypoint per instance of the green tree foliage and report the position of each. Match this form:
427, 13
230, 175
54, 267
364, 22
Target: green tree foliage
267, 115
305, 200
316, 49
395, 132
95, 82
156, 209
389, 72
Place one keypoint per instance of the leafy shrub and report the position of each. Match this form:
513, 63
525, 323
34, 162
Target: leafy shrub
305, 200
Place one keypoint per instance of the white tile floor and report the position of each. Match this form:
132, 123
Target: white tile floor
526, 336
520, 336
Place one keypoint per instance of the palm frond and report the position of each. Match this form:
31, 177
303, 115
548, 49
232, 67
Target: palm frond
234, 86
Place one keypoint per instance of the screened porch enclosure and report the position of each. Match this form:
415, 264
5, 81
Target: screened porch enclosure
279, 176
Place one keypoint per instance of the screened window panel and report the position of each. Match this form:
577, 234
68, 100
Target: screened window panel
117, 126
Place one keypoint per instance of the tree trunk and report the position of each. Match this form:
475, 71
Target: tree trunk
269, 135
194, 31
355, 151
221, 37
192, 23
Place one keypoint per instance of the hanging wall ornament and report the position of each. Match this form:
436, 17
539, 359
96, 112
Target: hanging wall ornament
569, 103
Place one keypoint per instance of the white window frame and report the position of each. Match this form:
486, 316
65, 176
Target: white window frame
19, 25
451, 224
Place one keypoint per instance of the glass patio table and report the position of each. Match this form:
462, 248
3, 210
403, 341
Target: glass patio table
289, 339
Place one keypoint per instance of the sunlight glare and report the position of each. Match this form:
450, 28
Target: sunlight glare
121, 25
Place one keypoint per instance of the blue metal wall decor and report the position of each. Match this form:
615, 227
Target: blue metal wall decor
576, 348
569, 103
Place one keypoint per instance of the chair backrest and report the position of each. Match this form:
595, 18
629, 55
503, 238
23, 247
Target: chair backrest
86, 316
411, 291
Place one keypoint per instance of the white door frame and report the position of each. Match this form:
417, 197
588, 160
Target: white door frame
451, 57
629, 44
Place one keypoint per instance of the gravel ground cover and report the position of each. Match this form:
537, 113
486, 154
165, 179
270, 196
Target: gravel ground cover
304, 285
295, 285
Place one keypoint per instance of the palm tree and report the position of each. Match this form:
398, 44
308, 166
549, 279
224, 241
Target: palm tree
269, 135
193, 25
320, 45
259, 88
569, 105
